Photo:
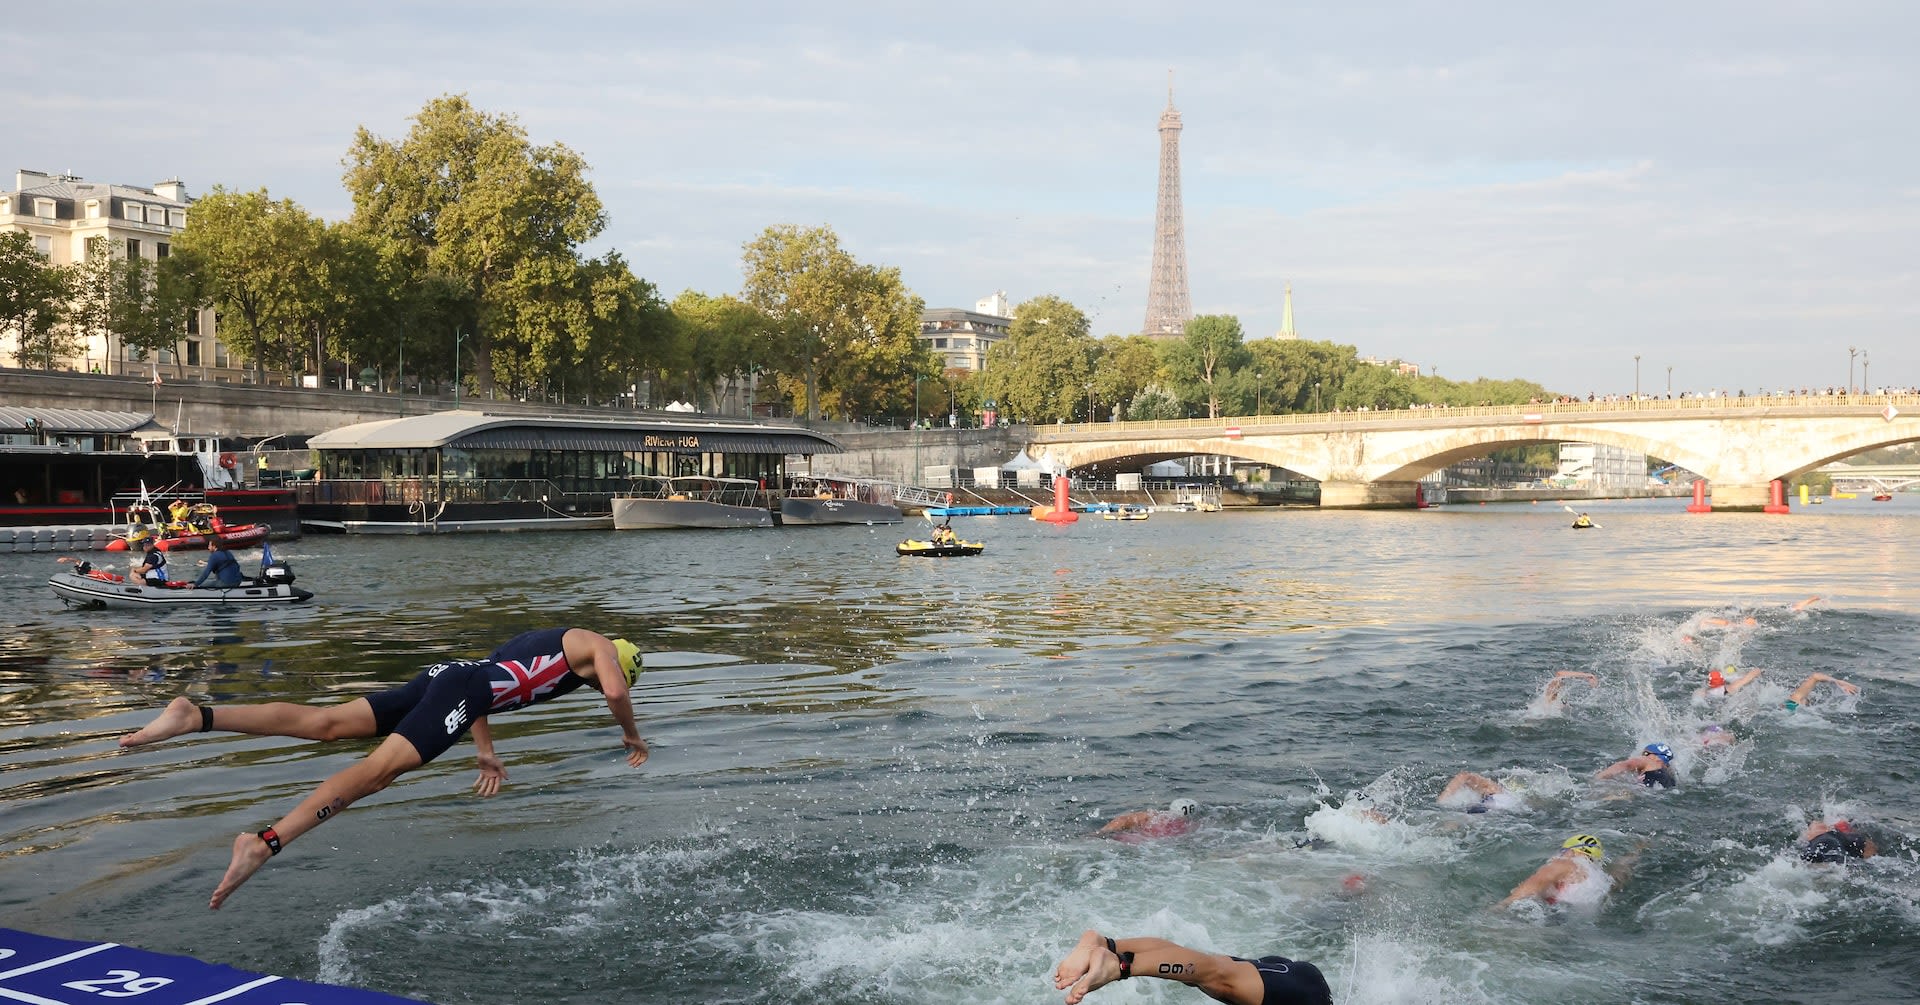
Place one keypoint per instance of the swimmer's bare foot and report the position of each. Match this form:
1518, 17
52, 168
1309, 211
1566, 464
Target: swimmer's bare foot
1103, 969
180, 716
249, 854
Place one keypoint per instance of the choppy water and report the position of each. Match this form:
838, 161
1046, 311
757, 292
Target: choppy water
874, 779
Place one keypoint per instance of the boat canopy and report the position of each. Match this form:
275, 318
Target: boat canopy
479, 430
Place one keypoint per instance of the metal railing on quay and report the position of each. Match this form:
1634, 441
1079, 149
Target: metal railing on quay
378, 491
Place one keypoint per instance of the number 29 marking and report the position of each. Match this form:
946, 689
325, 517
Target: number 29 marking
130, 982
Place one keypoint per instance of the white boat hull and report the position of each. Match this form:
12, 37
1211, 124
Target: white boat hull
660, 514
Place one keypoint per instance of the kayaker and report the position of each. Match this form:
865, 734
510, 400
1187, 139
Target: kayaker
420, 720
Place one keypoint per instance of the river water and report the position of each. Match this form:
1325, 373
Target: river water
875, 779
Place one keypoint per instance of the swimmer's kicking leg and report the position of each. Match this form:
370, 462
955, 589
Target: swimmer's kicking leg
353, 719
394, 757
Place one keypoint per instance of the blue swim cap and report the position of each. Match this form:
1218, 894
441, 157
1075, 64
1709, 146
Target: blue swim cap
1662, 751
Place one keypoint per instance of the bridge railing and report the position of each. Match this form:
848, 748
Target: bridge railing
1645, 407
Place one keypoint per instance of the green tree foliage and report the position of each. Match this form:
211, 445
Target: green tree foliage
1155, 402
1200, 363
264, 265
1125, 367
717, 339
841, 334
1289, 369
467, 197
1375, 387
33, 301
1041, 370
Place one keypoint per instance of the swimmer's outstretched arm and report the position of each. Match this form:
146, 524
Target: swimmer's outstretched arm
1091, 966
1799, 695
1734, 686
493, 771
1538, 885
1616, 768
1804, 604
1126, 821
1552, 693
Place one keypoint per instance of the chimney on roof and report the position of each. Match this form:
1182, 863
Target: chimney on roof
171, 189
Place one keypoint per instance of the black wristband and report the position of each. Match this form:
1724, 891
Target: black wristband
1126, 959
206, 718
272, 839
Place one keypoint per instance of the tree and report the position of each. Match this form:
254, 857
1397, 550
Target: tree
1125, 367
467, 196
1214, 346
718, 339
843, 334
1042, 368
1375, 387
33, 301
265, 265
1292, 369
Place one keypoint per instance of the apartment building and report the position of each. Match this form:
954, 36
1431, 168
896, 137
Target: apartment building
961, 338
65, 214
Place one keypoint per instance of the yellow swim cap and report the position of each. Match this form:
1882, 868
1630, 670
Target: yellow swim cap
1585, 844
629, 659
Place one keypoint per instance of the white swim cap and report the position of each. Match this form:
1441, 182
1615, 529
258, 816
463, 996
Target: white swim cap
1183, 807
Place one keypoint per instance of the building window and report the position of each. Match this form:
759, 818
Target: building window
136, 212
219, 354
193, 322
94, 246
43, 245
43, 208
93, 209
177, 218
193, 354
133, 248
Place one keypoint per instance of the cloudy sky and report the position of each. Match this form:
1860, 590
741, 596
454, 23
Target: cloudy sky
1726, 190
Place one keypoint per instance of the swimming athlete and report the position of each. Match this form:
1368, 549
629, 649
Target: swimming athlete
1491, 794
1718, 686
1175, 820
1098, 961
1654, 764
421, 720
1572, 876
1799, 695
1835, 842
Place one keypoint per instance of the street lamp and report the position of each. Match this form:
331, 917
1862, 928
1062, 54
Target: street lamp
1089, 402
1257, 389
1669, 383
1316, 396
1866, 384
457, 337
1636, 376
1851, 352
916, 399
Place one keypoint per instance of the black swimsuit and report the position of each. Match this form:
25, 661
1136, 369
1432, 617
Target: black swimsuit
1833, 846
1290, 982
1661, 776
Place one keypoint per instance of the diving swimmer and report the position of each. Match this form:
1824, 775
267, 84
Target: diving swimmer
1098, 961
420, 721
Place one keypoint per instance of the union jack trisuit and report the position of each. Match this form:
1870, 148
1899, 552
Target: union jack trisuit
434, 709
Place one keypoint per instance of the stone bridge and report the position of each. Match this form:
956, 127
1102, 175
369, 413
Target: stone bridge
1372, 459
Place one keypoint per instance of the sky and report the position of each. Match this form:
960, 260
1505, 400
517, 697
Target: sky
1693, 196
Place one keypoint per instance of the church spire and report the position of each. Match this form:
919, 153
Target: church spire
1286, 316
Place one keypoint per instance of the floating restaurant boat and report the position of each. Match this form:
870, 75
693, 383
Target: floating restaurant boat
692, 501
69, 476
473, 471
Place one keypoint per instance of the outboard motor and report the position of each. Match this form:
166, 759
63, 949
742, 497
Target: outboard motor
276, 573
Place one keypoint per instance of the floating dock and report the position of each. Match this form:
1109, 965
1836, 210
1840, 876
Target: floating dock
49, 971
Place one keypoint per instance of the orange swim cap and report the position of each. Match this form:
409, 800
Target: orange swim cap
1716, 679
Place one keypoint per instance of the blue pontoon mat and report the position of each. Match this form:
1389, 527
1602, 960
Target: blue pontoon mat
47, 971
978, 510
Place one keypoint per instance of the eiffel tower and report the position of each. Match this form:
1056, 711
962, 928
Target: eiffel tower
1168, 308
